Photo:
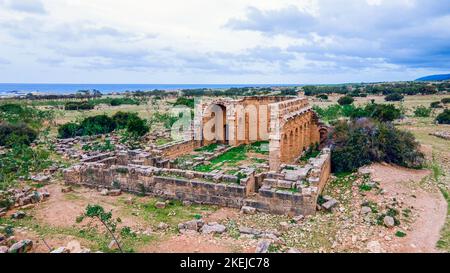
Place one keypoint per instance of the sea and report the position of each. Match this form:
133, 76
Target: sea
47, 88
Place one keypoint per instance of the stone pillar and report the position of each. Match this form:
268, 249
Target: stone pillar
274, 154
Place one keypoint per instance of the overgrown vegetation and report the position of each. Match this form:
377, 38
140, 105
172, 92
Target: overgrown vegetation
381, 112
20, 161
102, 124
363, 141
16, 134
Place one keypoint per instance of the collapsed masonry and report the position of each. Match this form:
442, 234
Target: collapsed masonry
292, 127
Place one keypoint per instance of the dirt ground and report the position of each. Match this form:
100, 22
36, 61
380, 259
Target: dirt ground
429, 204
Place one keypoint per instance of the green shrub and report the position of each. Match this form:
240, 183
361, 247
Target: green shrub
77, 105
382, 112
69, 130
445, 100
346, 100
16, 134
185, 101
322, 96
444, 117
123, 118
363, 141
422, 112
123, 101
137, 126
394, 97
436, 104
102, 124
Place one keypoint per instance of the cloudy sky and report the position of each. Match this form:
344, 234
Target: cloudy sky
223, 41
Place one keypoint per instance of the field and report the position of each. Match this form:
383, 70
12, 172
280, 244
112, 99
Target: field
420, 198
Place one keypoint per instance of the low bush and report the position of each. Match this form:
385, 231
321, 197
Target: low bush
346, 100
444, 117
185, 101
16, 134
422, 112
445, 100
394, 97
123, 101
322, 97
436, 105
77, 106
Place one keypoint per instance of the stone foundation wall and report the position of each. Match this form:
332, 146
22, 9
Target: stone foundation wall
291, 191
174, 150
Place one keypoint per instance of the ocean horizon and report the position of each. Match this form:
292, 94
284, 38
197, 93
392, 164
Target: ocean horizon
60, 88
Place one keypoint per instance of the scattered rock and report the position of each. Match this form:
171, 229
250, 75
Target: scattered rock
3, 249
160, 205
193, 225
389, 221
285, 226
129, 201
366, 210
66, 189
163, 226
19, 215
116, 192
374, 247
249, 231
74, 247
40, 178
263, 246
330, 204
213, 228
298, 219
187, 203
104, 192
22, 246
60, 250
248, 210
293, 250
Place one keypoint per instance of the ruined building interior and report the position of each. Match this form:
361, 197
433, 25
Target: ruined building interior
286, 125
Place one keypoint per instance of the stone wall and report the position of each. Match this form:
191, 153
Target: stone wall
204, 188
294, 127
292, 191
176, 149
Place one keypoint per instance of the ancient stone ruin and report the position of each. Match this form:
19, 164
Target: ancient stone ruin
284, 186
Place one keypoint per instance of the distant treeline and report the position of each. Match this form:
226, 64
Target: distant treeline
82, 94
244, 91
361, 90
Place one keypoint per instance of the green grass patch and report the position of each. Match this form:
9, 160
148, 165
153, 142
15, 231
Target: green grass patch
209, 148
400, 234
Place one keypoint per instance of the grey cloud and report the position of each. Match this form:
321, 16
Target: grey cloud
414, 35
27, 6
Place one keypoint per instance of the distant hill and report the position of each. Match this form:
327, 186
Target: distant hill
435, 78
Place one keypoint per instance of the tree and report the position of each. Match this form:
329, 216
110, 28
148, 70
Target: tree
346, 100
98, 212
394, 97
